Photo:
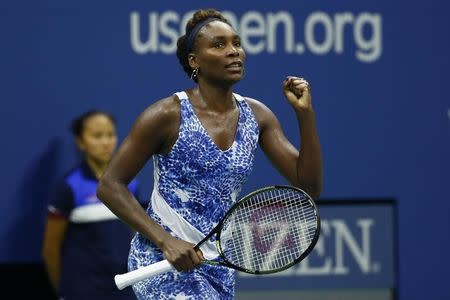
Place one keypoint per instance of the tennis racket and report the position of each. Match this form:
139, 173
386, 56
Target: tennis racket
267, 231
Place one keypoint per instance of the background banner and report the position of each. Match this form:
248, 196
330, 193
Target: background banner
357, 252
378, 71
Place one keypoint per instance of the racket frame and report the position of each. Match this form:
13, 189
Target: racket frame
218, 228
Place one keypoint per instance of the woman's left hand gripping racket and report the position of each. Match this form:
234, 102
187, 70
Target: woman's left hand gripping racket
267, 231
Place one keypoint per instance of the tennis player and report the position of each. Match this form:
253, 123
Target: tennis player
203, 142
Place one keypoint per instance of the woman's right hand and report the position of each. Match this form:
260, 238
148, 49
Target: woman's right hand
181, 254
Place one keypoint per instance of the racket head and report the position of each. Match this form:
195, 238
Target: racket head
269, 230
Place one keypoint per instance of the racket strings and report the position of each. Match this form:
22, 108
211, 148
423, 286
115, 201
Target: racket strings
270, 230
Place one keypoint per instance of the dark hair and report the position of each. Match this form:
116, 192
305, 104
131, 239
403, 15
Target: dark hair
77, 124
182, 43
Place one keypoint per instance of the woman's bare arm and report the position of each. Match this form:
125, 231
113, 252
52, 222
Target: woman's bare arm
154, 132
301, 166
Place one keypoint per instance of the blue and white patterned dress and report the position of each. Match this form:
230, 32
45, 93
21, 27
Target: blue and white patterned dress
194, 186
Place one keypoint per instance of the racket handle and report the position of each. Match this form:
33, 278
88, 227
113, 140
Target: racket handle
129, 278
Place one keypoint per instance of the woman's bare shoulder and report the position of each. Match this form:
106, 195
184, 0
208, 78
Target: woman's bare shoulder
160, 113
261, 110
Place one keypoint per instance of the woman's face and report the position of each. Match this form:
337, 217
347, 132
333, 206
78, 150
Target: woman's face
98, 139
219, 53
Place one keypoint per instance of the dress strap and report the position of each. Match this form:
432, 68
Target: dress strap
238, 97
181, 95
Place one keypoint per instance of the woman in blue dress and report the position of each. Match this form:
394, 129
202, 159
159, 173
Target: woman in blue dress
203, 142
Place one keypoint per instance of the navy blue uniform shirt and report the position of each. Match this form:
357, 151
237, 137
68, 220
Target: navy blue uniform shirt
96, 242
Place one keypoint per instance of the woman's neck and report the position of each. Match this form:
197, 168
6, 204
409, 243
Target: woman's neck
97, 167
214, 97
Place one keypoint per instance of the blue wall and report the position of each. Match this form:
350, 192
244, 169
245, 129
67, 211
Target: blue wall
379, 74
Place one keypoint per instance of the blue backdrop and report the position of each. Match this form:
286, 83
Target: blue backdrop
378, 70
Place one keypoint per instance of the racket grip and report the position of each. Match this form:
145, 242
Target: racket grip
129, 278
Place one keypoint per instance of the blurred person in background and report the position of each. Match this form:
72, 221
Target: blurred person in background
85, 244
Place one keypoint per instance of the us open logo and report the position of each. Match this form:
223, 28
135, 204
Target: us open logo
320, 33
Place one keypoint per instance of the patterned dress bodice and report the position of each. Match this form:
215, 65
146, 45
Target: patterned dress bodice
194, 186
198, 179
